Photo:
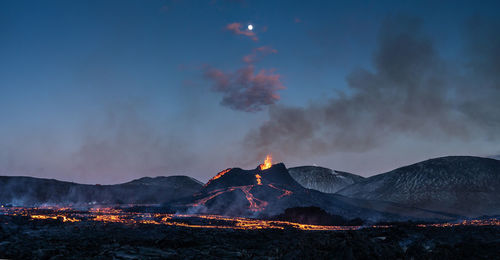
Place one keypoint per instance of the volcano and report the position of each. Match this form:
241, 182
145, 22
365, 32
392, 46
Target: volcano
263, 191
235, 191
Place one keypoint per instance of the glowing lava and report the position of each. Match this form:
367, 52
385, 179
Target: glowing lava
255, 203
285, 192
220, 174
258, 178
267, 163
118, 215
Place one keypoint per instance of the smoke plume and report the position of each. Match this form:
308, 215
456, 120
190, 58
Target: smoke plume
244, 90
411, 91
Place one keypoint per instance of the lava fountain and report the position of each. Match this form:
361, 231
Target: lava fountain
268, 162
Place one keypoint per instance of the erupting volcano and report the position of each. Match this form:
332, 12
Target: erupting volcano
235, 191
269, 189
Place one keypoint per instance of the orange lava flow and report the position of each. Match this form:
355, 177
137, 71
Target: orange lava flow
258, 178
61, 217
285, 192
118, 215
220, 174
255, 204
214, 194
472, 222
268, 162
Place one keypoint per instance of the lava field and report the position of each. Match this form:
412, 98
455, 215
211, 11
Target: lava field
114, 233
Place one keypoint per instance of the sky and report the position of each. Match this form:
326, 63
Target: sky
110, 91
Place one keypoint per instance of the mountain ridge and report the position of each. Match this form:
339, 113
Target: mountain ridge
32, 191
465, 185
257, 192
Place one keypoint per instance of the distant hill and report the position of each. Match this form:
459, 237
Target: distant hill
462, 185
29, 191
497, 157
323, 179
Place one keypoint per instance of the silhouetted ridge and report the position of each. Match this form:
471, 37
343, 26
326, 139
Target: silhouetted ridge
29, 191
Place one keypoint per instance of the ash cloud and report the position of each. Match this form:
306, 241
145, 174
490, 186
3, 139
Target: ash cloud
245, 90
412, 91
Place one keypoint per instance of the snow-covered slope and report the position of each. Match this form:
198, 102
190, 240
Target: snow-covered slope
462, 185
323, 179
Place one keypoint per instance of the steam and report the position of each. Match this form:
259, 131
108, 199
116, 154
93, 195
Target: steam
412, 91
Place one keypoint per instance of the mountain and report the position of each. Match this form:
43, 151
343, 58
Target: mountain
176, 181
268, 192
29, 191
463, 185
497, 157
323, 179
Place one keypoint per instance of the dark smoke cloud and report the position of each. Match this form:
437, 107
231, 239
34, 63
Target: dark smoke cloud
412, 91
244, 89
481, 100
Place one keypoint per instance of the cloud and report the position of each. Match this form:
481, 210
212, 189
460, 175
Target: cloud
258, 53
244, 89
236, 29
412, 91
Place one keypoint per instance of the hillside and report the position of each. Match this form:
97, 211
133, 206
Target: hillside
323, 179
29, 191
456, 184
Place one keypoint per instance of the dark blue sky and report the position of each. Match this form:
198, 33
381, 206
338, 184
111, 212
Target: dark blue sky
108, 91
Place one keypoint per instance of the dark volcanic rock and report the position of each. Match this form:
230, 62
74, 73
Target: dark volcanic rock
462, 185
315, 216
43, 239
277, 174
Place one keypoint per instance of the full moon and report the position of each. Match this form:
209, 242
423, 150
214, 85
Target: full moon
250, 27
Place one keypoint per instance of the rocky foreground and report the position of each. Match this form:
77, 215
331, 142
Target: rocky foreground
22, 238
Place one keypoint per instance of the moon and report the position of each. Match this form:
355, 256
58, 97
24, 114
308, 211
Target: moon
250, 27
